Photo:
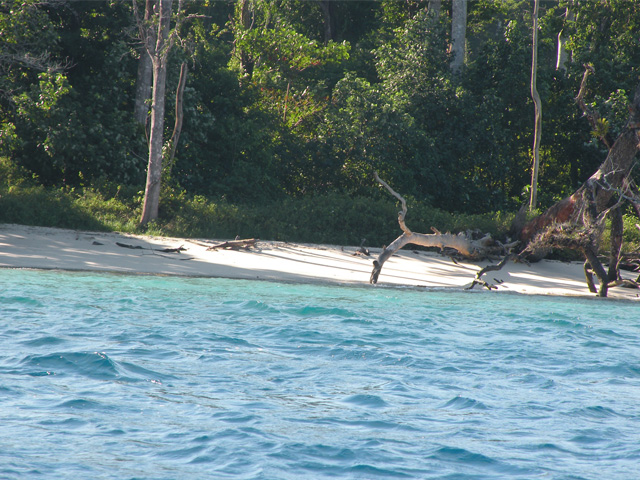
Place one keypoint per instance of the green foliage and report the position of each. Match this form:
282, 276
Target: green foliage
37, 205
631, 236
285, 126
76, 126
24, 201
28, 42
285, 53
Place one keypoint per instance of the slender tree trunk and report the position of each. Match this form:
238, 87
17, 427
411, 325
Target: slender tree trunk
562, 56
435, 7
458, 34
143, 88
145, 71
538, 112
615, 245
329, 27
154, 168
177, 127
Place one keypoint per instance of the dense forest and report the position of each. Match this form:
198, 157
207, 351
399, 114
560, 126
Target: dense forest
269, 101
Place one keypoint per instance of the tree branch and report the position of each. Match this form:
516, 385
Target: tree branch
403, 213
592, 117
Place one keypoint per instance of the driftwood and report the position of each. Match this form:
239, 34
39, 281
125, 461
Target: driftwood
464, 244
362, 250
138, 247
235, 244
490, 268
583, 237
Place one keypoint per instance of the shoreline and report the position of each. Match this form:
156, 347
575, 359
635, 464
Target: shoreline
46, 248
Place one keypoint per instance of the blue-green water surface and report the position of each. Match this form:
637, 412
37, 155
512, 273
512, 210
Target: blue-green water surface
117, 377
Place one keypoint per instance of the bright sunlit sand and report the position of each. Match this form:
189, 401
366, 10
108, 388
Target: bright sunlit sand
52, 248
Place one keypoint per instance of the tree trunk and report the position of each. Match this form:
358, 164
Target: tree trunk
615, 245
329, 27
562, 55
145, 72
177, 127
159, 55
594, 264
143, 88
154, 168
538, 112
458, 34
434, 8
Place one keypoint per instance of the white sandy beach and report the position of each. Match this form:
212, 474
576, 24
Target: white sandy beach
52, 248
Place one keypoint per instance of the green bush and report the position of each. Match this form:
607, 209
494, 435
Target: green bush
45, 207
13, 175
333, 218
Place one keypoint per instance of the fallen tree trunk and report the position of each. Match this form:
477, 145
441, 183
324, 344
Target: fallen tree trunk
463, 244
472, 249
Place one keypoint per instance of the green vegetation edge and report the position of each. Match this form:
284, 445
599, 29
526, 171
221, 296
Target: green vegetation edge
331, 218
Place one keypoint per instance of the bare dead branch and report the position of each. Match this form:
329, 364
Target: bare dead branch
592, 116
496, 267
490, 268
403, 213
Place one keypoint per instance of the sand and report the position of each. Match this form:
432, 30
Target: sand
62, 249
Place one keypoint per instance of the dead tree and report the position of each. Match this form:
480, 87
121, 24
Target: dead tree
602, 194
462, 243
599, 190
538, 112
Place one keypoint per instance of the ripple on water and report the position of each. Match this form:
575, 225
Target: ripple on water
81, 404
464, 403
536, 380
46, 341
450, 454
595, 412
366, 401
94, 365
595, 437
65, 423
476, 463
19, 301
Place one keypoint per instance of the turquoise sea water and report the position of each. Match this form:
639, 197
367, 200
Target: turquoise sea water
121, 377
